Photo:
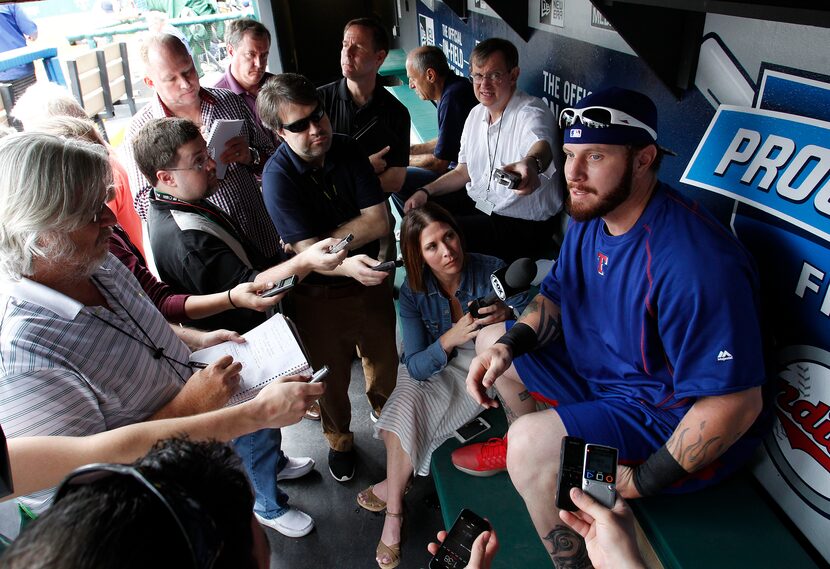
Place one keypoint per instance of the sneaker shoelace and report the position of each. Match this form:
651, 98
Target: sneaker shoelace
494, 453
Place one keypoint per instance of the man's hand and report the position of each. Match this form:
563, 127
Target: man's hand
209, 388
415, 200
236, 150
249, 295
377, 161
530, 177
484, 549
625, 483
463, 331
359, 268
609, 534
208, 339
285, 400
484, 370
317, 256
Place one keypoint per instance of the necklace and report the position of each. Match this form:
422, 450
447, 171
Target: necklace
158, 351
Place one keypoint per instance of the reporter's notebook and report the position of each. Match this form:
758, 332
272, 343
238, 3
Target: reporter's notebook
271, 350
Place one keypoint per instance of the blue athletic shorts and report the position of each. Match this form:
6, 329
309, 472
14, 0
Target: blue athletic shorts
636, 430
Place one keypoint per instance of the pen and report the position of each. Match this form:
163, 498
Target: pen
198, 365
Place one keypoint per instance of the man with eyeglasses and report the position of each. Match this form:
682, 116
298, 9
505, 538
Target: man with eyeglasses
319, 185
248, 43
645, 336
172, 76
511, 131
198, 249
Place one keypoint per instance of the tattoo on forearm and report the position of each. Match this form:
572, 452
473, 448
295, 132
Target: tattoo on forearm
566, 548
549, 326
693, 455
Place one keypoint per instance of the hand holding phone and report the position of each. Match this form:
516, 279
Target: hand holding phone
599, 477
388, 265
455, 551
340, 245
281, 286
319, 375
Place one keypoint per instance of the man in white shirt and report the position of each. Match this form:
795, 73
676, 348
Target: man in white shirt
514, 132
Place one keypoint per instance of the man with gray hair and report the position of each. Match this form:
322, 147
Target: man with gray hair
249, 43
171, 74
433, 80
82, 348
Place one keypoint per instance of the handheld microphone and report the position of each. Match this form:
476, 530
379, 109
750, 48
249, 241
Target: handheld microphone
507, 282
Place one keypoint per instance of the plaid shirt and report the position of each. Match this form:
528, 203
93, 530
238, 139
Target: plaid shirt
239, 194
65, 372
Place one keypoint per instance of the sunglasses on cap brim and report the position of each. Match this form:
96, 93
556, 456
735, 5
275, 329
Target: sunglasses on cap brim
601, 117
302, 125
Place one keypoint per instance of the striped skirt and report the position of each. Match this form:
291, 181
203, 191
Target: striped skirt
423, 414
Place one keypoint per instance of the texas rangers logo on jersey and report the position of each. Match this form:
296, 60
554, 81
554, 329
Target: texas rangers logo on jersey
602, 262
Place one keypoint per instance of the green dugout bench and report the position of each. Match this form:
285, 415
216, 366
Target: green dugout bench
734, 524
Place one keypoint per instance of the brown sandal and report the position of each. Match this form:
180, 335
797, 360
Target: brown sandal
391, 551
369, 501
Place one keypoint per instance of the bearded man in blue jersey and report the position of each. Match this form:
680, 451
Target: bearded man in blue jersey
645, 335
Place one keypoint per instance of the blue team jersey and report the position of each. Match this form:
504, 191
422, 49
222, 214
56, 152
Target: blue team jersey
663, 314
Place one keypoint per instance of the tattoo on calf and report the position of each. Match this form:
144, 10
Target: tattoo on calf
566, 548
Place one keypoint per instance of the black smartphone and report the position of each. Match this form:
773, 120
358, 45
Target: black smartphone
571, 458
454, 553
388, 265
339, 246
319, 375
599, 478
281, 286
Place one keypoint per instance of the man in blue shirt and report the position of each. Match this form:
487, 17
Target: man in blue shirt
15, 28
317, 185
645, 336
431, 78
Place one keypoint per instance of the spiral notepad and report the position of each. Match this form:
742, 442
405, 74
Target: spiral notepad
271, 350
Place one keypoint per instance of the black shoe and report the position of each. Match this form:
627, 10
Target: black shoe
341, 464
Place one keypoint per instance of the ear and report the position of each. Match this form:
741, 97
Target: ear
230, 49
645, 158
381, 55
430, 74
166, 178
514, 74
148, 81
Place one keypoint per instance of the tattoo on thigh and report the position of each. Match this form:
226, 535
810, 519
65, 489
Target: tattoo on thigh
567, 548
524, 395
508, 412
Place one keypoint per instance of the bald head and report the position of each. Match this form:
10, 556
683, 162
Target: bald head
161, 44
169, 70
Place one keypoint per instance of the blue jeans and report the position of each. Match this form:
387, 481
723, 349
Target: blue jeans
263, 459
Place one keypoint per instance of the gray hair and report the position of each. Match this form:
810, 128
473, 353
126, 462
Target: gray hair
44, 100
155, 42
235, 30
429, 57
70, 127
157, 144
49, 186
280, 90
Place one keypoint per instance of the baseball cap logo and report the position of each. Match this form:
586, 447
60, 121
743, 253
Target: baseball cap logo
576, 133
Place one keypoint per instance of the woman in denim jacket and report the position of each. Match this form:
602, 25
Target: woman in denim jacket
430, 400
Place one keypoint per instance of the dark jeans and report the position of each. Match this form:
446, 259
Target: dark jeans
507, 238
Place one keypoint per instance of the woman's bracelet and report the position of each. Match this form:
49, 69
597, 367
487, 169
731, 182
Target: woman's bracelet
230, 299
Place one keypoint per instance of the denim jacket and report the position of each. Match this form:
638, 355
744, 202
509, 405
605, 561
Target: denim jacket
426, 316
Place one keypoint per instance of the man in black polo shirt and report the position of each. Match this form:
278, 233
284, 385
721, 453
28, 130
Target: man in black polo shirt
360, 107
199, 249
317, 185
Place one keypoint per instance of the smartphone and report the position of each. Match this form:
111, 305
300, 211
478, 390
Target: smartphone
337, 247
478, 304
388, 265
471, 429
281, 286
599, 478
454, 553
571, 458
319, 375
507, 179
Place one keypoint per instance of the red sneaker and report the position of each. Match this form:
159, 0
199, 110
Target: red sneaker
482, 459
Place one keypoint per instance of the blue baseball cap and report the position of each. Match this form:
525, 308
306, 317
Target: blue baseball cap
611, 116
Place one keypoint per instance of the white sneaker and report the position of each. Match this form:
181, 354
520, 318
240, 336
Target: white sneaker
292, 523
296, 467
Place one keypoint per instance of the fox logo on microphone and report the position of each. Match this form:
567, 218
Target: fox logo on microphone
497, 287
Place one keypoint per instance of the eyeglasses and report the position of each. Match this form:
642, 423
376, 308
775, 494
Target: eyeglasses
494, 77
602, 117
199, 165
302, 125
196, 526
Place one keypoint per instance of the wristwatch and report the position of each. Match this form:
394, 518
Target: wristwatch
538, 161
255, 157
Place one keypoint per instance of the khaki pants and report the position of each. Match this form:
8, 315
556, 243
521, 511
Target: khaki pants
332, 321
